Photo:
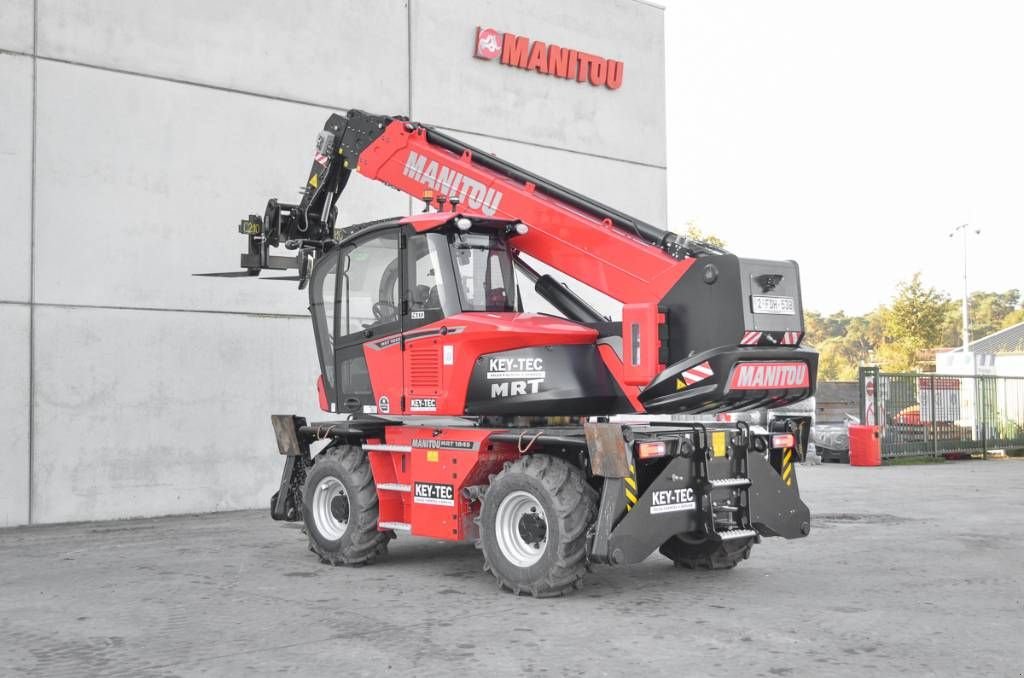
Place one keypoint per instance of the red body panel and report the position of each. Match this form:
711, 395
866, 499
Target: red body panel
640, 343
439, 357
597, 254
386, 372
420, 480
321, 394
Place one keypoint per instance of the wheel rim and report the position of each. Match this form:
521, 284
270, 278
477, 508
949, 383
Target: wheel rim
330, 508
521, 529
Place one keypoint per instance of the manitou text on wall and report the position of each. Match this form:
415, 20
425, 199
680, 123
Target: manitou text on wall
561, 62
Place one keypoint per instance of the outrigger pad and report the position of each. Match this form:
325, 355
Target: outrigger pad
286, 430
609, 456
776, 509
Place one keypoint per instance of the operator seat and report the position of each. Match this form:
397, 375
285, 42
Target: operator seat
426, 297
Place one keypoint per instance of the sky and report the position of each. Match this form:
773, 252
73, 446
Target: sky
852, 137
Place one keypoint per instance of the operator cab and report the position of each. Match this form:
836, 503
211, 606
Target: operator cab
386, 278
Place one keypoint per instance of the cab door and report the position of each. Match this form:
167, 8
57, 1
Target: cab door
368, 325
431, 296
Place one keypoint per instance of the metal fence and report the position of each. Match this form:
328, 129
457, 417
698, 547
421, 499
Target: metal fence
922, 414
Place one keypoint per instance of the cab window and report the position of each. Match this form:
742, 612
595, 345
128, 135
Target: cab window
322, 285
432, 290
368, 294
483, 268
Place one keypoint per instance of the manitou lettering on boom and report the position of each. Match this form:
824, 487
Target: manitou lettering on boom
448, 182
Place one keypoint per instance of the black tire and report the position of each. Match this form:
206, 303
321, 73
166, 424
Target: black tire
707, 554
343, 468
567, 508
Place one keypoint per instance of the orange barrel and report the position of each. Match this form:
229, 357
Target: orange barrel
865, 445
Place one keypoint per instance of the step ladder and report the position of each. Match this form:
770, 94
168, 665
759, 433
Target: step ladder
711, 491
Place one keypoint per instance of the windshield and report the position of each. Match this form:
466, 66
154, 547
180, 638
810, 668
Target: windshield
484, 269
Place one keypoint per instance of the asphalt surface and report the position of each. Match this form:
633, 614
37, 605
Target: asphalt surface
908, 570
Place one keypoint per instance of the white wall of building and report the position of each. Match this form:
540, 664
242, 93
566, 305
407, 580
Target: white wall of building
134, 137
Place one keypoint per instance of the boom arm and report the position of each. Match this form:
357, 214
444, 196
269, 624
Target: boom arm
619, 255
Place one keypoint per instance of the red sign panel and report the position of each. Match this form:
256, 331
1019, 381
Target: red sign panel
769, 376
488, 43
548, 59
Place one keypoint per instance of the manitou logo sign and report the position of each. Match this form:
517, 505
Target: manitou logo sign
447, 181
560, 62
761, 376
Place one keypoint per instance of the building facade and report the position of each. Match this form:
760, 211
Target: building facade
1000, 353
135, 136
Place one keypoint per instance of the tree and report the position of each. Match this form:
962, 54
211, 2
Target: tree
1014, 318
695, 233
990, 312
916, 313
819, 328
918, 320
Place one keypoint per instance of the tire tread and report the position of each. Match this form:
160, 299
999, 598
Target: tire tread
366, 543
575, 510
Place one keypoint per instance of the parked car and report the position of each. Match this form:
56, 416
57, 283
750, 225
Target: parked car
832, 441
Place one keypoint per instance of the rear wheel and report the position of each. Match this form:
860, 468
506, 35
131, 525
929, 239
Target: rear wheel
706, 554
340, 510
533, 526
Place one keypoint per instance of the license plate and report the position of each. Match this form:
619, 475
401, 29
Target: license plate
774, 305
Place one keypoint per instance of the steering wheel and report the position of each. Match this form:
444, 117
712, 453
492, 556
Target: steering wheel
384, 311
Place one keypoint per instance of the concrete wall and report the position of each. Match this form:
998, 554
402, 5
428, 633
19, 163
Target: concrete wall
136, 135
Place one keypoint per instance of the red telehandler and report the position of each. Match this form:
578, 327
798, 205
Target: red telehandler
425, 346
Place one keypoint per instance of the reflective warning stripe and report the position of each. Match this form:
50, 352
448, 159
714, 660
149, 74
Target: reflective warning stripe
630, 487
750, 338
697, 373
787, 467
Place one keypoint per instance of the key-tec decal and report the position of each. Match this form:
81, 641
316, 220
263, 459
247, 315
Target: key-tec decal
762, 376
434, 494
670, 501
518, 376
423, 405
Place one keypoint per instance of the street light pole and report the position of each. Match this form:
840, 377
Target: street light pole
967, 315
976, 391
966, 334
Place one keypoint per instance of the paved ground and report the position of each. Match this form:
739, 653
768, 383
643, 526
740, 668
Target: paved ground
908, 570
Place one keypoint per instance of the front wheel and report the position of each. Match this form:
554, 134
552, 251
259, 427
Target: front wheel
340, 509
534, 523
